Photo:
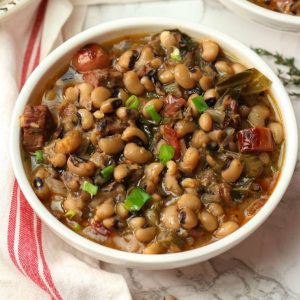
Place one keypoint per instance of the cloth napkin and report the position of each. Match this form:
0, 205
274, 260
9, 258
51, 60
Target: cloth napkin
34, 263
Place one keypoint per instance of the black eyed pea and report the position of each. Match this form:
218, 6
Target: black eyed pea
224, 67
210, 160
190, 160
104, 211
87, 120
109, 222
233, 172
189, 201
122, 95
136, 222
153, 248
200, 139
121, 211
137, 154
72, 93
215, 209
196, 74
189, 183
111, 145
183, 76
110, 105
132, 132
169, 217
226, 228
73, 203
167, 39
157, 103
206, 82
210, 93
188, 218
121, 171
156, 62
69, 143
126, 114
125, 59
147, 83
166, 76
238, 68
98, 114
216, 135
210, 50
85, 90
145, 235
205, 122
58, 160
132, 83
208, 221
41, 188
99, 95
145, 57
195, 111
184, 127
258, 115
153, 170
277, 132
80, 167
170, 181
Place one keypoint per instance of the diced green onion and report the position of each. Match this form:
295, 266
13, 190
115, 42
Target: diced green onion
76, 226
136, 199
132, 102
107, 172
166, 153
71, 213
200, 103
90, 188
150, 109
39, 156
175, 55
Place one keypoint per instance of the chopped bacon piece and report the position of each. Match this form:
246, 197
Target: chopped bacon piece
173, 105
257, 139
171, 136
110, 78
90, 57
37, 124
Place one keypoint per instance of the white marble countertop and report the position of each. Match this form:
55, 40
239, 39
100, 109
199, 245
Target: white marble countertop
267, 264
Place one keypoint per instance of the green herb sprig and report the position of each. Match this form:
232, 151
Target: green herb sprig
287, 70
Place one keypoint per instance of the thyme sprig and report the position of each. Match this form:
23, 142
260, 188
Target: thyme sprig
287, 70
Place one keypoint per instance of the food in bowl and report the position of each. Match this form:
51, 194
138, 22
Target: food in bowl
291, 7
154, 143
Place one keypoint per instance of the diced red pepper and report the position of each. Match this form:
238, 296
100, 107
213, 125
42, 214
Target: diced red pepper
89, 58
255, 140
171, 137
173, 105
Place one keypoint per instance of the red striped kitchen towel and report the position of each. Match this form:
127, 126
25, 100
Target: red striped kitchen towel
34, 263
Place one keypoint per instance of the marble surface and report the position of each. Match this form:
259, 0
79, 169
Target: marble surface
267, 264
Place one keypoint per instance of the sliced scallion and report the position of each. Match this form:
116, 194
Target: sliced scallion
39, 156
166, 153
132, 102
200, 103
107, 172
175, 55
76, 226
150, 109
70, 213
90, 188
136, 199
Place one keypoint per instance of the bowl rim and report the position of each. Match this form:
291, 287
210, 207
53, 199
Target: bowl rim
186, 257
266, 13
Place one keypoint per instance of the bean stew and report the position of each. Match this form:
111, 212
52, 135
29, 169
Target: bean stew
154, 143
290, 7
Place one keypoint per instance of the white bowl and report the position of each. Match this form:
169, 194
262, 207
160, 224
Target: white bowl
263, 16
111, 30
